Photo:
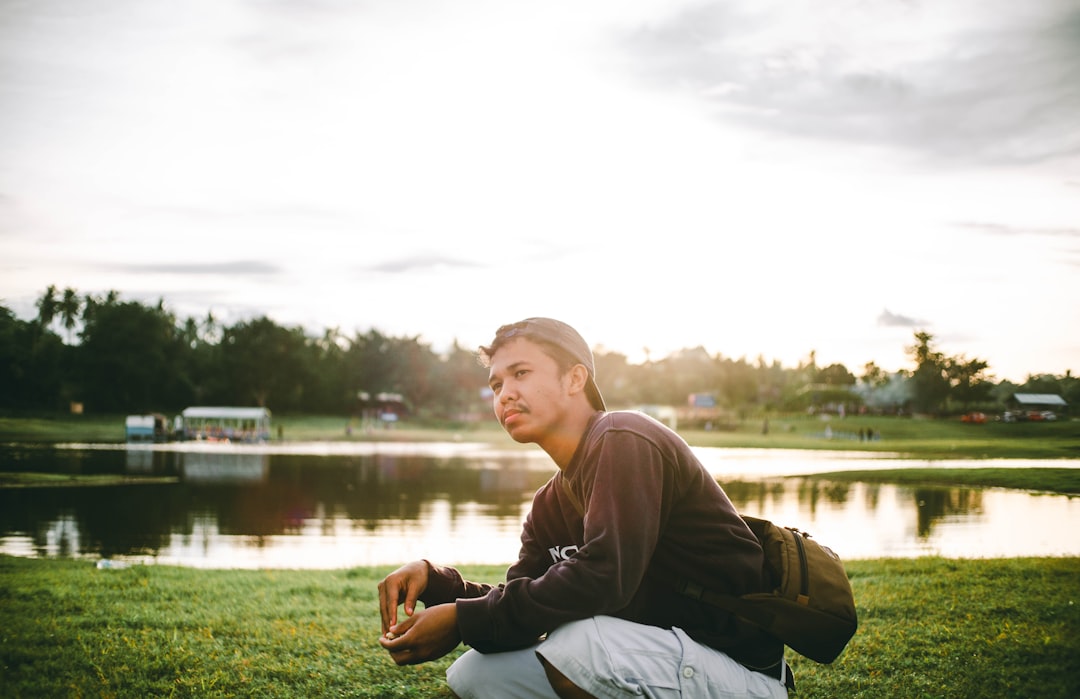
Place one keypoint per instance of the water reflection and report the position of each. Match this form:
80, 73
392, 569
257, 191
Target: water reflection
340, 507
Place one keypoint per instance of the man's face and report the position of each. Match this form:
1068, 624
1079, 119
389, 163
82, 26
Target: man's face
530, 393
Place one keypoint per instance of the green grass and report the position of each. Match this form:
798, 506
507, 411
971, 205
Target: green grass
929, 627
62, 428
946, 438
1053, 480
22, 479
294, 428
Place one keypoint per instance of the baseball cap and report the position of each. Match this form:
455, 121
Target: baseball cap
561, 335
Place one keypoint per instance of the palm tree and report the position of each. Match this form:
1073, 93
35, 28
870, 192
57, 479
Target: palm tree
47, 306
69, 308
211, 329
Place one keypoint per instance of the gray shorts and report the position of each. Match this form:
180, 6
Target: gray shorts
610, 657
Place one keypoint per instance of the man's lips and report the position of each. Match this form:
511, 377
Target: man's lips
511, 415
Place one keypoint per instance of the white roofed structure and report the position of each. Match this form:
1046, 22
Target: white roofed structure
1039, 400
226, 424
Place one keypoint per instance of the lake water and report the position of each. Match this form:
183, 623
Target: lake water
342, 504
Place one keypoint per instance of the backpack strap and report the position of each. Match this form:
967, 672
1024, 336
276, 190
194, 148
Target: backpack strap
754, 613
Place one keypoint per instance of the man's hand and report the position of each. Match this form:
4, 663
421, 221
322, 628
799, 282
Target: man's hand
429, 634
405, 584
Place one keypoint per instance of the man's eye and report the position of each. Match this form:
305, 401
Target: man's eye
520, 372
495, 387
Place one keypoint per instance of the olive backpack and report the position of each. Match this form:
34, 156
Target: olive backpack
810, 606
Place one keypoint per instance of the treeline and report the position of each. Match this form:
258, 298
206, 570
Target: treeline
117, 356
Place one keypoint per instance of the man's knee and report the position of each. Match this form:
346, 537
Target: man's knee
563, 687
497, 675
461, 676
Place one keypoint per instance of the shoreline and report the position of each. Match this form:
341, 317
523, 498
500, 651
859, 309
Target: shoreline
908, 437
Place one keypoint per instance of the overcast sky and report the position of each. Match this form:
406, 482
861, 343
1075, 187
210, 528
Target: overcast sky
758, 177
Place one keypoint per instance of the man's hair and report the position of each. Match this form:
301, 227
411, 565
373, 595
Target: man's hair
557, 340
563, 359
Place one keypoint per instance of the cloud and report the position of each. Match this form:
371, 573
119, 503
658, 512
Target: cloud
419, 263
1068, 250
895, 320
243, 268
1002, 229
974, 83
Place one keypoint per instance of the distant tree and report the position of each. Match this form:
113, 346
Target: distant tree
69, 309
969, 384
616, 379
30, 364
805, 372
47, 306
133, 357
1041, 383
929, 380
417, 372
874, 376
1003, 390
1070, 389
211, 329
774, 383
460, 380
130, 357
739, 384
265, 364
91, 303
890, 394
836, 375
200, 374
684, 372
326, 392
370, 366
13, 356
189, 332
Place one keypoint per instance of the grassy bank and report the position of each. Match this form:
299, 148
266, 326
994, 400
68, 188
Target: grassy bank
929, 627
1050, 480
907, 437
945, 438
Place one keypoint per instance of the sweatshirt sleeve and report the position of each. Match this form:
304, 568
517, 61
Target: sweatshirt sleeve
445, 585
621, 482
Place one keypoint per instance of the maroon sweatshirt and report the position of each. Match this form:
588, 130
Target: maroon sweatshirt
652, 514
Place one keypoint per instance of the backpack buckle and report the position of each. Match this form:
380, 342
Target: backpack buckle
691, 589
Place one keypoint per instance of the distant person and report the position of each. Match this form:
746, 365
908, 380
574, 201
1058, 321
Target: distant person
589, 608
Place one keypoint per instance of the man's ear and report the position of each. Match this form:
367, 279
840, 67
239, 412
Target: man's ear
579, 376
